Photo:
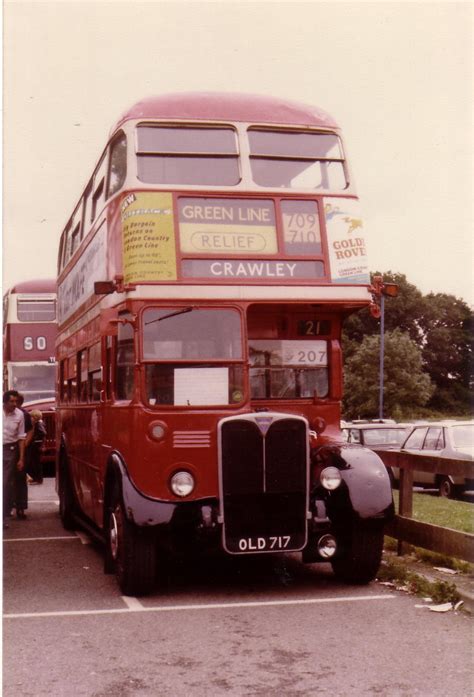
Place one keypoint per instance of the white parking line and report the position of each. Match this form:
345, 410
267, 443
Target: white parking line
85, 539
40, 539
55, 501
132, 603
132, 607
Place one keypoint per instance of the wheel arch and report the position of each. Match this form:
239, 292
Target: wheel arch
365, 481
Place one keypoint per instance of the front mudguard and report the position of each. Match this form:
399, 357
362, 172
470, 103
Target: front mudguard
138, 508
365, 487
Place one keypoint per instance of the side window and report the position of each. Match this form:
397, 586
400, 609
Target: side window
109, 367
75, 239
125, 361
118, 164
87, 208
434, 439
82, 372
72, 379
61, 253
415, 441
94, 373
98, 192
355, 435
75, 230
66, 244
63, 391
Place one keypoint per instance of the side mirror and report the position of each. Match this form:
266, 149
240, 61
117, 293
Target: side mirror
104, 287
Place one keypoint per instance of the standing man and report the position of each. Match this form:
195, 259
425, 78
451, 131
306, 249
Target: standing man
13, 447
20, 488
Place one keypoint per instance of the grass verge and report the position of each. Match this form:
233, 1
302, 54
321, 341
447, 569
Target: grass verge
395, 571
448, 513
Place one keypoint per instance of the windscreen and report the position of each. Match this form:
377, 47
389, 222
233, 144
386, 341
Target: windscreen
191, 356
187, 155
33, 381
36, 310
384, 436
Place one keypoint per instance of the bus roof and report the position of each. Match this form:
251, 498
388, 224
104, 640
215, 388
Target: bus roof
227, 106
42, 285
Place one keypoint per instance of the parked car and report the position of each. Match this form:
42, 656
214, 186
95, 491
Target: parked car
380, 434
449, 439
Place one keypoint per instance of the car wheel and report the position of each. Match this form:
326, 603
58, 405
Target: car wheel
132, 551
446, 488
360, 555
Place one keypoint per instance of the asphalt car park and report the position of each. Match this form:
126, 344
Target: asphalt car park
228, 626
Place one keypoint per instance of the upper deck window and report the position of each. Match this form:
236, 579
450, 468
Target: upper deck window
36, 310
117, 164
183, 155
297, 159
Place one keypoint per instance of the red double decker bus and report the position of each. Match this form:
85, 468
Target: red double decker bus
29, 336
204, 275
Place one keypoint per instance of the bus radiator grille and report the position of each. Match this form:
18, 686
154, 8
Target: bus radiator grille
264, 483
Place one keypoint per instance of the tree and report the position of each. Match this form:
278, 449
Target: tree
403, 312
441, 325
447, 329
406, 386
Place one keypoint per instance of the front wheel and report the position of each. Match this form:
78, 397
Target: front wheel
360, 553
132, 552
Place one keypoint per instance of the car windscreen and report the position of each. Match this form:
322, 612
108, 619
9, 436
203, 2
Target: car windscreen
383, 436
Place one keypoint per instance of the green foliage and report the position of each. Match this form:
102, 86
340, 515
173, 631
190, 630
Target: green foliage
440, 591
405, 383
441, 327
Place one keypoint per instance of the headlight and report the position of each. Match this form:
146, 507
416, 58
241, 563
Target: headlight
330, 478
182, 483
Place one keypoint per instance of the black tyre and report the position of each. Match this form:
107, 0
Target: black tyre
446, 488
360, 553
131, 550
66, 495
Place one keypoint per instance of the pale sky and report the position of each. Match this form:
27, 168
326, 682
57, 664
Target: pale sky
397, 77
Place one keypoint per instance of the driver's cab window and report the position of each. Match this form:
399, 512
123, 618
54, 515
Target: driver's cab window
125, 360
286, 361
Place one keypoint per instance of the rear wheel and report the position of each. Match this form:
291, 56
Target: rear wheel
360, 554
446, 488
132, 551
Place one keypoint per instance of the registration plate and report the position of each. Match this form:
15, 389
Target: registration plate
264, 544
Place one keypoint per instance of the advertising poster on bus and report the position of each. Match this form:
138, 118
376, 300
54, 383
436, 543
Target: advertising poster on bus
346, 241
149, 252
78, 286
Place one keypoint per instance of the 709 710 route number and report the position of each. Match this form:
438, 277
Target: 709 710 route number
258, 544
